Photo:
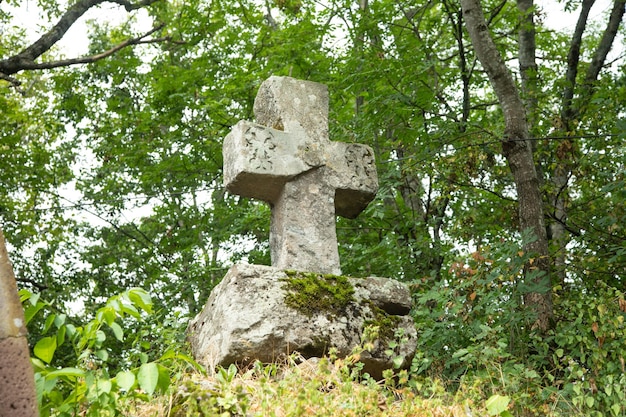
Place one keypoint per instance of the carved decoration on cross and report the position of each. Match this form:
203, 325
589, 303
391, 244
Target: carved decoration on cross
288, 160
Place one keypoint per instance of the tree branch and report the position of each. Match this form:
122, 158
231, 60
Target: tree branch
527, 61
40, 287
93, 58
518, 153
499, 75
482, 188
12, 80
573, 57
26, 58
130, 6
599, 57
44, 43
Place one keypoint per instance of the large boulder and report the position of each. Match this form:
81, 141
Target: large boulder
263, 313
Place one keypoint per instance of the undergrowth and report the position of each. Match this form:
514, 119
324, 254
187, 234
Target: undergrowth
316, 387
476, 356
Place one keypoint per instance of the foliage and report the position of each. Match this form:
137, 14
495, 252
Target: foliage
481, 344
588, 352
474, 352
131, 194
104, 363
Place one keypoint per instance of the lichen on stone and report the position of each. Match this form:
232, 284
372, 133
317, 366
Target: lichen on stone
312, 293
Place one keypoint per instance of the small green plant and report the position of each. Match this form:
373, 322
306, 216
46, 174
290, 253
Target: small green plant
588, 353
497, 405
393, 350
90, 385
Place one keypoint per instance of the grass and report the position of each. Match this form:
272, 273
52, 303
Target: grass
298, 387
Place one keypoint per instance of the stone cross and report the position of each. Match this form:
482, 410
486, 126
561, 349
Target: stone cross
288, 160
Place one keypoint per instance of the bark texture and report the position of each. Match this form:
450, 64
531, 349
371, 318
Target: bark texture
517, 150
17, 382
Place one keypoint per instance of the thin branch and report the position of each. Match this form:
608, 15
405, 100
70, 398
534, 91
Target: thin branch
40, 287
14, 81
573, 57
495, 12
93, 58
598, 61
482, 188
599, 57
565, 225
45, 42
269, 17
130, 6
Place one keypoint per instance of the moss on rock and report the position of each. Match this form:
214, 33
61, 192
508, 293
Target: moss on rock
312, 293
387, 323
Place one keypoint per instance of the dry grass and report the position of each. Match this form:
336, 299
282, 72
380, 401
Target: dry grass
309, 388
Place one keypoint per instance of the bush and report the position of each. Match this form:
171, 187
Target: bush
474, 335
89, 380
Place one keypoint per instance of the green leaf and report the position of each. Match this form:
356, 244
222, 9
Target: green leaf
100, 337
459, 353
44, 385
72, 372
148, 377
49, 320
99, 387
34, 298
615, 409
397, 362
496, 404
164, 378
141, 298
60, 320
61, 335
125, 380
45, 348
106, 314
38, 365
102, 354
117, 331
31, 310
143, 357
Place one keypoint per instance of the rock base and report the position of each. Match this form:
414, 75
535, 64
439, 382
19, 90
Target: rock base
264, 313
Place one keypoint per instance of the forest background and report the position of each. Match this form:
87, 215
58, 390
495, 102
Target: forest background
501, 159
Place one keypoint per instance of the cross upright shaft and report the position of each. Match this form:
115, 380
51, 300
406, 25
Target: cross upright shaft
288, 160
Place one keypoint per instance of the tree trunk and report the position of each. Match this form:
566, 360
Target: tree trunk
517, 150
571, 112
17, 382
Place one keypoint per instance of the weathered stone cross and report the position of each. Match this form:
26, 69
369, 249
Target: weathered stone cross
288, 160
